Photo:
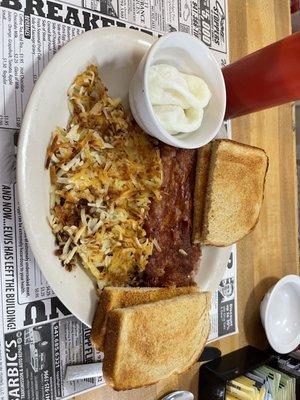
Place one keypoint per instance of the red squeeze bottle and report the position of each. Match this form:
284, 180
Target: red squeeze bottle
266, 78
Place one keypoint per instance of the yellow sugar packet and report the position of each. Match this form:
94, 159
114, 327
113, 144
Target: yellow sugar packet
238, 392
230, 397
260, 392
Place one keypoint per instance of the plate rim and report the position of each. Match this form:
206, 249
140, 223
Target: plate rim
24, 135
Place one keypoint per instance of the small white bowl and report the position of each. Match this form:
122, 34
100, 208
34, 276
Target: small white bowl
190, 56
280, 314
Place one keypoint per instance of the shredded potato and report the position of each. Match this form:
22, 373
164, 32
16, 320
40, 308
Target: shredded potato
104, 172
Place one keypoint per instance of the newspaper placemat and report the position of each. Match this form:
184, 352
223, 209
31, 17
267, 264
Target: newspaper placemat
38, 335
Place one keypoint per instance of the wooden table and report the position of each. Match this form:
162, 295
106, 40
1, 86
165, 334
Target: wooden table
271, 251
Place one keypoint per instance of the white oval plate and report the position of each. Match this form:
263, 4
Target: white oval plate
117, 51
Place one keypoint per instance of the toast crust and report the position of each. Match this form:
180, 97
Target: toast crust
201, 178
150, 342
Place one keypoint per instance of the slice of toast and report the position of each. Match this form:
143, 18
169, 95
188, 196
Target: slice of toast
201, 178
234, 193
150, 342
120, 297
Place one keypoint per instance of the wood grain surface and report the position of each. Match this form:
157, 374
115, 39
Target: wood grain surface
271, 251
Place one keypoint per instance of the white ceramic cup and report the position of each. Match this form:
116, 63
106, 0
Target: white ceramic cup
190, 56
280, 314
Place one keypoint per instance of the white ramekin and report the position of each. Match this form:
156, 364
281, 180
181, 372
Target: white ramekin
280, 314
190, 56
